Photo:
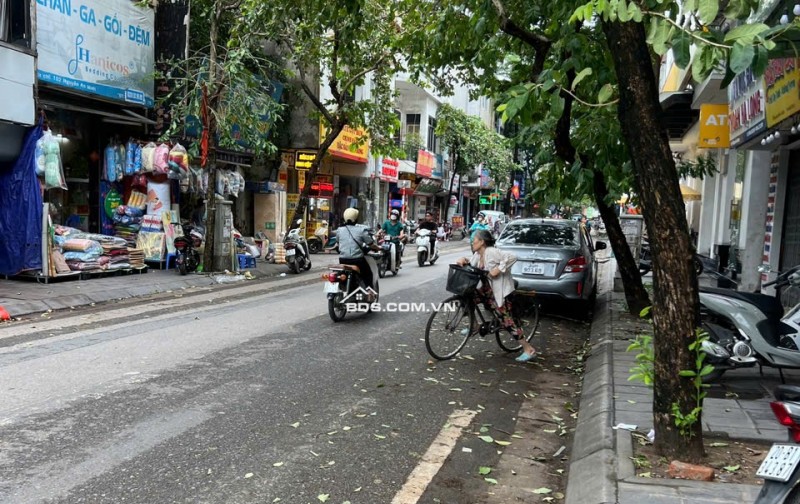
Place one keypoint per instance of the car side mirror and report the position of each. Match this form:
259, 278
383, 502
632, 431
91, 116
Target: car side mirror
600, 245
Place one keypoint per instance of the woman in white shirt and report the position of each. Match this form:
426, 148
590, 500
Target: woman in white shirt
498, 265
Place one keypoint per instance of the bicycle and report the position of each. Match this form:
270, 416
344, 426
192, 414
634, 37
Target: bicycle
450, 325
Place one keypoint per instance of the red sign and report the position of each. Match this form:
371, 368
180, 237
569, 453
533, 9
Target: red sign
425, 163
389, 170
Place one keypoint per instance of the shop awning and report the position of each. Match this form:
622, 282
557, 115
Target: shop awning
130, 117
428, 187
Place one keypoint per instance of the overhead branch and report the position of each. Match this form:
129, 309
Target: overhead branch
540, 44
314, 98
364, 72
333, 82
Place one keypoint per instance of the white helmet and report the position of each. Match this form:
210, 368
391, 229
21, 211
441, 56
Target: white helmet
351, 214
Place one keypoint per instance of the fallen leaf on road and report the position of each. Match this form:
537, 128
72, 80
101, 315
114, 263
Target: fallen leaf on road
550, 431
248, 475
296, 425
732, 468
379, 436
345, 428
277, 464
323, 497
718, 445
357, 489
542, 490
502, 443
491, 481
483, 470
488, 439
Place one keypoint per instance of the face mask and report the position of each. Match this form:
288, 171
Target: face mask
393, 217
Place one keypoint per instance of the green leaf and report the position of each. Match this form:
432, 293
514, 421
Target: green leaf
681, 45
718, 445
708, 11
483, 470
741, 57
502, 443
605, 93
491, 481
580, 76
488, 439
645, 311
760, 61
635, 12
323, 497
542, 491
733, 468
687, 373
556, 105
745, 32
622, 12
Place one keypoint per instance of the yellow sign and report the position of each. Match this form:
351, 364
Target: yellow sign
714, 130
344, 146
783, 95
301, 180
291, 205
303, 159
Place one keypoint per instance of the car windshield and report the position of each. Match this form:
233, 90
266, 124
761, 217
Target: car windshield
538, 234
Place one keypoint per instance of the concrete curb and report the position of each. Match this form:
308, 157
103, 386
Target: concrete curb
593, 466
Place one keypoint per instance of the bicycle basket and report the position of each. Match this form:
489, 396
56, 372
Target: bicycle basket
462, 280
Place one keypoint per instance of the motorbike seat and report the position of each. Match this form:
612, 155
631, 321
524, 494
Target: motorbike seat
770, 306
348, 267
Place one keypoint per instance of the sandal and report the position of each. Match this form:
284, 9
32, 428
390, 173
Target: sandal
525, 357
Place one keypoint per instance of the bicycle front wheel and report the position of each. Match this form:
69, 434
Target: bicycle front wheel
526, 316
448, 328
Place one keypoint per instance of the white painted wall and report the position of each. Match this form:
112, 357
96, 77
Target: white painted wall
17, 78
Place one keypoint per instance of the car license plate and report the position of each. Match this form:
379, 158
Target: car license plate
331, 288
780, 463
539, 268
290, 252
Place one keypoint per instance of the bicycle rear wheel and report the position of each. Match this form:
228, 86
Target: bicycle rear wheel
448, 328
526, 316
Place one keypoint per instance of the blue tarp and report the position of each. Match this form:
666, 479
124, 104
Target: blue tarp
21, 211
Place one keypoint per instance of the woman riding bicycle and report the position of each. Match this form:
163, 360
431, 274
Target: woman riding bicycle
495, 293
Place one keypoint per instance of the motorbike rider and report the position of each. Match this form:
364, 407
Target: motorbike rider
322, 233
395, 229
354, 240
480, 223
431, 226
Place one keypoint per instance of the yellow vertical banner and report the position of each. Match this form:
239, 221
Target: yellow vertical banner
715, 132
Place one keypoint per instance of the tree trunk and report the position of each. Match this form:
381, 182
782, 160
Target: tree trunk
214, 98
635, 294
675, 304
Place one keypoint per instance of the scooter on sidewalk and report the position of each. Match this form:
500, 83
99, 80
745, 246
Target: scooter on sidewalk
745, 329
427, 251
187, 257
781, 467
344, 287
297, 250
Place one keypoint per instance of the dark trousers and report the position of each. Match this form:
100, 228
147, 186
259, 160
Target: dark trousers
363, 265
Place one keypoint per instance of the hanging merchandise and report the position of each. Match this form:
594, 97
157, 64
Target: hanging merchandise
110, 163
178, 162
39, 152
233, 179
130, 155
197, 180
137, 158
53, 171
119, 159
222, 182
148, 157
161, 158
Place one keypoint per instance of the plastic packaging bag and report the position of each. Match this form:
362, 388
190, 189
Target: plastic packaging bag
130, 155
161, 158
109, 163
53, 171
180, 158
39, 153
148, 157
119, 162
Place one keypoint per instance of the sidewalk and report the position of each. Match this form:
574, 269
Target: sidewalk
25, 297
601, 470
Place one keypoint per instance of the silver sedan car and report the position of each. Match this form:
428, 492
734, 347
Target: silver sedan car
555, 258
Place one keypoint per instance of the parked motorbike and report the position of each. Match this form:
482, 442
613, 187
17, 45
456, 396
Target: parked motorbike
390, 257
315, 244
187, 257
426, 251
746, 329
344, 285
297, 251
701, 262
780, 467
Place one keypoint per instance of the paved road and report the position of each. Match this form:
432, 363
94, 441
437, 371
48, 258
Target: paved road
248, 395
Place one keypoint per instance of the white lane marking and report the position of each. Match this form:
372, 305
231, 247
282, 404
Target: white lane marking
434, 458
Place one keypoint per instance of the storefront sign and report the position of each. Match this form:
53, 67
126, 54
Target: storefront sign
301, 180
292, 201
322, 187
425, 163
485, 180
746, 107
428, 187
714, 129
349, 144
783, 95
389, 170
102, 47
304, 158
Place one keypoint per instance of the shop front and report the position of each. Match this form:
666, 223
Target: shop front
348, 158
389, 196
